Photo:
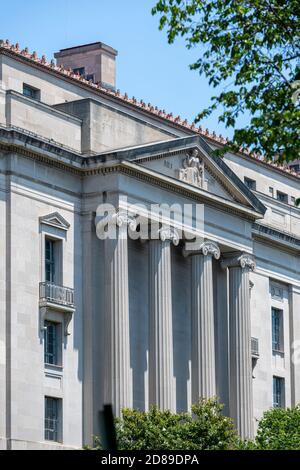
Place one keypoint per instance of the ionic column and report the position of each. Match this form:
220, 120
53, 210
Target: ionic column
161, 389
117, 370
240, 385
203, 335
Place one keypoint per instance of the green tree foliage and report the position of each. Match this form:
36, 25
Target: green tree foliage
279, 429
252, 49
205, 429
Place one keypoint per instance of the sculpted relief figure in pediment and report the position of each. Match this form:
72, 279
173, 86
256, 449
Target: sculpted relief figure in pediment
193, 169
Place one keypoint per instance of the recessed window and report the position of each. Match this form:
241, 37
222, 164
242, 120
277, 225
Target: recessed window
90, 77
79, 71
278, 392
271, 191
53, 261
293, 201
53, 420
282, 197
277, 330
251, 184
52, 343
31, 92
49, 260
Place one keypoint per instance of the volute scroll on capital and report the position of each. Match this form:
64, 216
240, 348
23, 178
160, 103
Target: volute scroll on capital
169, 234
207, 248
119, 219
211, 248
244, 261
123, 218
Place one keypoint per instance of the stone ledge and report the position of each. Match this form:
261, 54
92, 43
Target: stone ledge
279, 237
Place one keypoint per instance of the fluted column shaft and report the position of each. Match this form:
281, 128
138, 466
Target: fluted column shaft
203, 342
240, 385
203, 335
117, 370
161, 390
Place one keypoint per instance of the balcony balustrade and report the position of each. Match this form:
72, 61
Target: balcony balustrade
59, 295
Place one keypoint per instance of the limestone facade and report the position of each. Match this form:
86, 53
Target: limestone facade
139, 322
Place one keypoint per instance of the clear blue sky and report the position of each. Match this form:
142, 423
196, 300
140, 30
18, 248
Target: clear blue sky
147, 66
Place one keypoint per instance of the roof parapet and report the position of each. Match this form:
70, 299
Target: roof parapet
154, 110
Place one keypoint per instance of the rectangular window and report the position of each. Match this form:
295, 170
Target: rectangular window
282, 197
52, 419
52, 341
251, 184
271, 191
79, 71
277, 330
278, 392
49, 260
31, 92
90, 77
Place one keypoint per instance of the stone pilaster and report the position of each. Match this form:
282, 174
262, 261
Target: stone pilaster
240, 386
161, 390
203, 335
117, 371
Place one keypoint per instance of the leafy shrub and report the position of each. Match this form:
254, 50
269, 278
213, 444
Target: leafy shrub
279, 429
206, 428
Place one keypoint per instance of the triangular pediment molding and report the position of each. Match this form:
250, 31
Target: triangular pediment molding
218, 174
55, 220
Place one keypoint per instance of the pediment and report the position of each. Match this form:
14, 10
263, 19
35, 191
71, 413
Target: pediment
191, 161
190, 168
55, 220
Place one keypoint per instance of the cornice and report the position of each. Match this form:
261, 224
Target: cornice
76, 164
274, 236
34, 155
186, 190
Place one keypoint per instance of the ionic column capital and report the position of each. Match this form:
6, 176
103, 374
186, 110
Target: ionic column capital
239, 260
117, 219
168, 234
207, 248
124, 219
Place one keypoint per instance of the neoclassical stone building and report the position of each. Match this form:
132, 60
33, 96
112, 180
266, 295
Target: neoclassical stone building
209, 311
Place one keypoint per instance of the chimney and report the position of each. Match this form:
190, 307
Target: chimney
96, 62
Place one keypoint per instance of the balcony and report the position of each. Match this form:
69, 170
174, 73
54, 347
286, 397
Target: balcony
59, 295
59, 299
254, 348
